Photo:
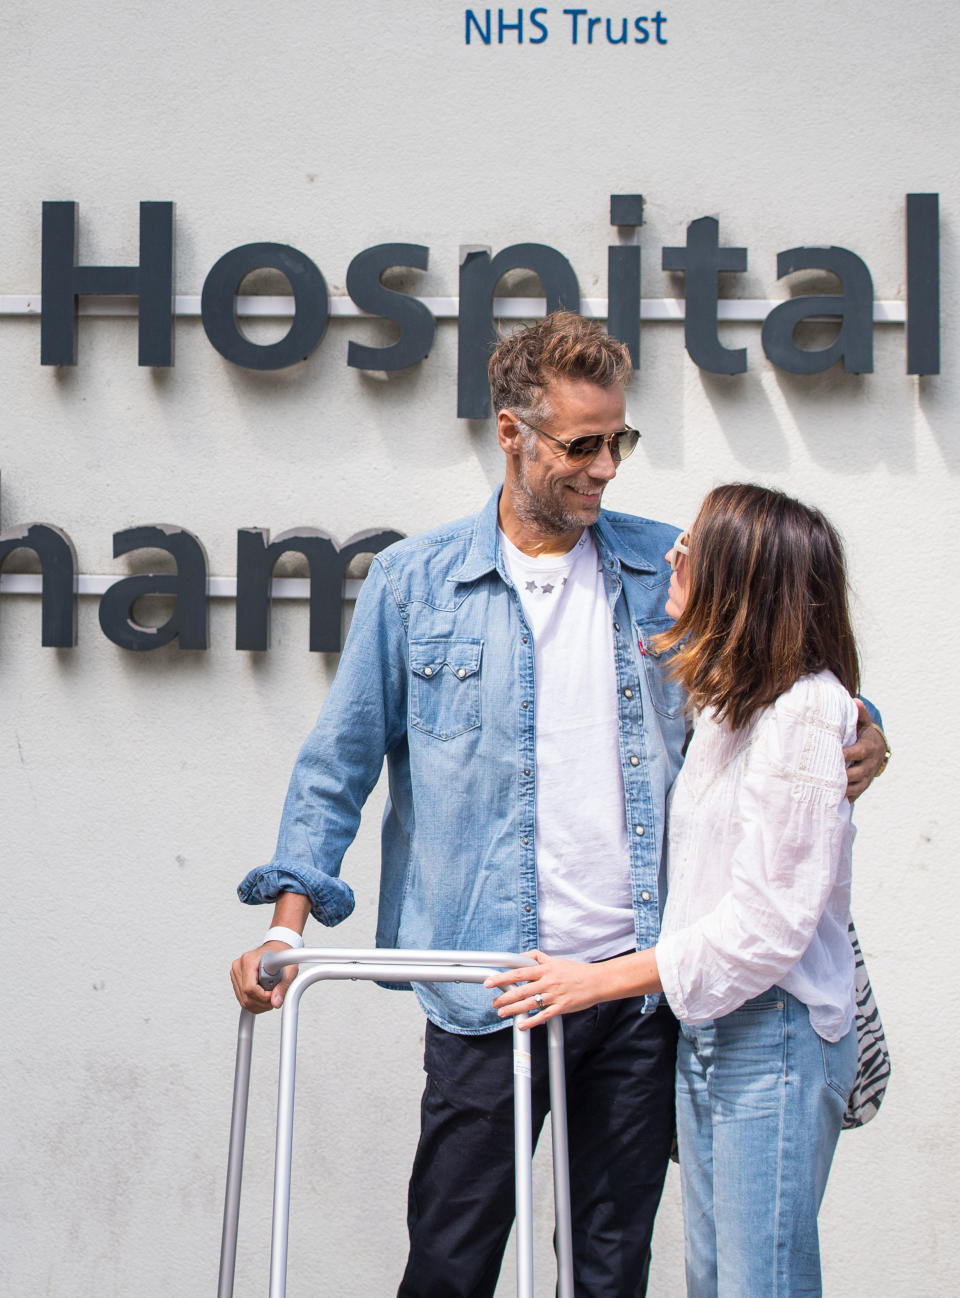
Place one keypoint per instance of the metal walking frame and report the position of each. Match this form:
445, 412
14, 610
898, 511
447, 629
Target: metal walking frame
319, 964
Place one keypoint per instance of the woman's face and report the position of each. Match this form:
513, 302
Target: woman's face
676, 556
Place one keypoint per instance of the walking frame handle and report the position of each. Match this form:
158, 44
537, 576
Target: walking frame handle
341, 964
272, 962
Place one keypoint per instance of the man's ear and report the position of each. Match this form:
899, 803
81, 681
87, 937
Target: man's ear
508, 433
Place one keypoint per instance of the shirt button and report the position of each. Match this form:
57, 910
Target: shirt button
638, 829
524, 704
644, 896
634, 760
428, 671
526, 770
524, 639
528, 909
461, 672
628, 693
616, 626
526, 842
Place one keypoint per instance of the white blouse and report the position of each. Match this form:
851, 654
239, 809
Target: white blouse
758, 862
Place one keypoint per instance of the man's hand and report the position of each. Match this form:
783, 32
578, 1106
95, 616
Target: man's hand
245, 971
865, 758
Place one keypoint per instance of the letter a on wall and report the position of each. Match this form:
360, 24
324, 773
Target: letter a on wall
188, 622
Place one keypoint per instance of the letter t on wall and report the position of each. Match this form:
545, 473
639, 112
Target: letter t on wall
701, 261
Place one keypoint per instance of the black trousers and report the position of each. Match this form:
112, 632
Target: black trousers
620, 1097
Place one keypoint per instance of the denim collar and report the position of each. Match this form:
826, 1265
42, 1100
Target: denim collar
616, 538
614, 541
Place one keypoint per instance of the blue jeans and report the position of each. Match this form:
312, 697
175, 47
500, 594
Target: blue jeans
760, 1098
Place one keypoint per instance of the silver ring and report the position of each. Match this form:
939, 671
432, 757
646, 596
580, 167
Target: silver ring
539, 999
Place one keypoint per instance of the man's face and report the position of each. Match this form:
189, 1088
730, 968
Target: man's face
549, 495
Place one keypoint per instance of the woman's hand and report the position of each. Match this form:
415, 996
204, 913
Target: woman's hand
556, 987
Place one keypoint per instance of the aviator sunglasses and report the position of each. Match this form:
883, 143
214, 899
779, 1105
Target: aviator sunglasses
581, 450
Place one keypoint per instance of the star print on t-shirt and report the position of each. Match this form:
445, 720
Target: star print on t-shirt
545, 577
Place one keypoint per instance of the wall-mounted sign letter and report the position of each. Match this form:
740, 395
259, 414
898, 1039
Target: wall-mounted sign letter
623, 274
218, 309
188, 622
62, 281
479, 276
58, 564
854, 307
256, 558
417, 325
701, 261
923, 283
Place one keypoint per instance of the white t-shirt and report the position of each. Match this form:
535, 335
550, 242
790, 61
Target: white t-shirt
584, 901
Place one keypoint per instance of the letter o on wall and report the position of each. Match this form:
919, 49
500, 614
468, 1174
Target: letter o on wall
217, 306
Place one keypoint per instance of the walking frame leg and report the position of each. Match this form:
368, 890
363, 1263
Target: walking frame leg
523, 1159
289, 1022
238, 1129
561, 1163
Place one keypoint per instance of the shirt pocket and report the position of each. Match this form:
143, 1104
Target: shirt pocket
445, 686
667, 695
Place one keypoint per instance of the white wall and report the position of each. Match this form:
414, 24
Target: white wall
136, 789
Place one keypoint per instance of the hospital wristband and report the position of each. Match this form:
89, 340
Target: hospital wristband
280, 934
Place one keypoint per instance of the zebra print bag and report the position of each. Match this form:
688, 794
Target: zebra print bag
873, 1058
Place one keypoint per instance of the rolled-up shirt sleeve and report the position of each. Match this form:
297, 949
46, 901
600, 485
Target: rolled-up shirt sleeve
363, 718
789, 851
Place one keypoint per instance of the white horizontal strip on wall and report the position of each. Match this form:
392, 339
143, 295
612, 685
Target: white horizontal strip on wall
31, 583
753, 309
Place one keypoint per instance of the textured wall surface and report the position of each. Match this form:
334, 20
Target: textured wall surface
136, 789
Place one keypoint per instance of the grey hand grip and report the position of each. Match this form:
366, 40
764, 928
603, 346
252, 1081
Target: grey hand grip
267, 980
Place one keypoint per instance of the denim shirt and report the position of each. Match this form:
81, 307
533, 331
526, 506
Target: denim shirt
437, 675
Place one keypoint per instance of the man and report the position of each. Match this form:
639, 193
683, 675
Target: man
502, 664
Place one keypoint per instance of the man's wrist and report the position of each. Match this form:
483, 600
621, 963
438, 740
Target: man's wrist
886, 748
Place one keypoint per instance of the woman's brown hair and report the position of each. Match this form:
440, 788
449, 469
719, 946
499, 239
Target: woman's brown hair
766, 603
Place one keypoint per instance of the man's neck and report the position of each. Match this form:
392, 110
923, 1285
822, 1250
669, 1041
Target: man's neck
530, 540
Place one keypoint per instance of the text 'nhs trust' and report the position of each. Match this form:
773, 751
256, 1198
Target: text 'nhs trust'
578, 26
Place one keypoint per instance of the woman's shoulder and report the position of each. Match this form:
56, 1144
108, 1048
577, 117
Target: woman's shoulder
802, 734
818, 699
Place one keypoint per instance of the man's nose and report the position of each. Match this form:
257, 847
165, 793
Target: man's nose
604, 465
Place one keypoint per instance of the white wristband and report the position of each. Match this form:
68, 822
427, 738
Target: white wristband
280, 934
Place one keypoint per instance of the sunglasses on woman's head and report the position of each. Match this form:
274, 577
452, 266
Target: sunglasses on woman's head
680, 547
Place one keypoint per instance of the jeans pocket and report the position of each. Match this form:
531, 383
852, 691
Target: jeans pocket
445, 686
757, 1028
840, 1063
772, 1000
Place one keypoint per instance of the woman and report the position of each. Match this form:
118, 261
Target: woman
753, 956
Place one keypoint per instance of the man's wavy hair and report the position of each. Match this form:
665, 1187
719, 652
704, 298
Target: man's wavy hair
561, 346
766, 603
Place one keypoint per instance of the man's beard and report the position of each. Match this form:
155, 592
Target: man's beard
547, 515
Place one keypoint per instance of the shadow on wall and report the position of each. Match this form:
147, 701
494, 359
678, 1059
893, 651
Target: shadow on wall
661, 417
758, 442
849, 423
936, 405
